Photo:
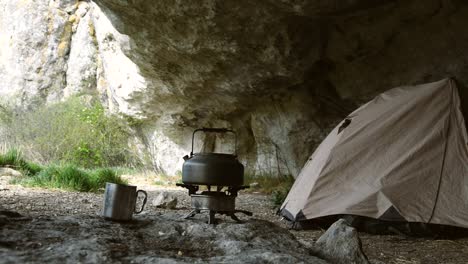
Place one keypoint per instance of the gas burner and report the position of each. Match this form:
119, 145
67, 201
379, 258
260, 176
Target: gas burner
221, 171
215, 202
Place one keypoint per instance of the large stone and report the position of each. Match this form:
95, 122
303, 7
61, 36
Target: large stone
340, 244
165, 200
9, 172
149, 239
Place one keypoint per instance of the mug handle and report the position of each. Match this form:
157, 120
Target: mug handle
144, 201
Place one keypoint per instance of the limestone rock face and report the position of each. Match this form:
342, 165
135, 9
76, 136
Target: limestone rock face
82, 62
34, 44
280, 73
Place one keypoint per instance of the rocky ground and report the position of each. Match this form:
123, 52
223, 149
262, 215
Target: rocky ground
64, 211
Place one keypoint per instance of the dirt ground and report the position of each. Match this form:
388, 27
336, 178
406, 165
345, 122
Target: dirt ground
33, 202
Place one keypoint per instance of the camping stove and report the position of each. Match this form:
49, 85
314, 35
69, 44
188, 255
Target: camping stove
214, 202
221, 172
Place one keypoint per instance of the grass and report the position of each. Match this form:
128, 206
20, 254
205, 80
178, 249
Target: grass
277, 187
103, 175
13, 159
68, 177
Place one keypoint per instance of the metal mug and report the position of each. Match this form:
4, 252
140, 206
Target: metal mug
120, 201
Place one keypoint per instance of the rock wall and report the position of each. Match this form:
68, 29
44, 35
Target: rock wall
281, 73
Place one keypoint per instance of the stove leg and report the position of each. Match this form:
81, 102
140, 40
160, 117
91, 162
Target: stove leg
211, 218
192, 213
235, 218
244, 212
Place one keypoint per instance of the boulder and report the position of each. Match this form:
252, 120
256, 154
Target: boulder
340, 244
10, 172
165, 200
159, 238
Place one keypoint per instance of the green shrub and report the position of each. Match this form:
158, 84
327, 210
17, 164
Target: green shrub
74, 131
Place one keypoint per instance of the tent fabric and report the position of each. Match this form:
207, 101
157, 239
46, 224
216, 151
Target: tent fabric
405, 150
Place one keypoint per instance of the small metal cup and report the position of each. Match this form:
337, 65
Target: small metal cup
120, 201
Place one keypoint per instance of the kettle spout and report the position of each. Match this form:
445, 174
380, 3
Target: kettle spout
186, 157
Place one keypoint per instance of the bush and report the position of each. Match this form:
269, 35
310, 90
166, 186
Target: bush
72, 132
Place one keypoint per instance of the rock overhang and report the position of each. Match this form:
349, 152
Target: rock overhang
280, 73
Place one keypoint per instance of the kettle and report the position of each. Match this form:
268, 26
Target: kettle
213, 169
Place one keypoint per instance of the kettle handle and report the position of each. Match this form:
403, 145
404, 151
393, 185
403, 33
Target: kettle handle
215, 130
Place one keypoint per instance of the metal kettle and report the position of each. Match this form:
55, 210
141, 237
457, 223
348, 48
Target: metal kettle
213, 169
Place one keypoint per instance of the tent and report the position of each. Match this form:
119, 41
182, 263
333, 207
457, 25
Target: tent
401, 157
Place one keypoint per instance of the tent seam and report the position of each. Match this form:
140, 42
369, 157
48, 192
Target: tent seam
445, 153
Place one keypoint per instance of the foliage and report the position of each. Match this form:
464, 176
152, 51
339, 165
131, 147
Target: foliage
70, 177
73, 131
277, 187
